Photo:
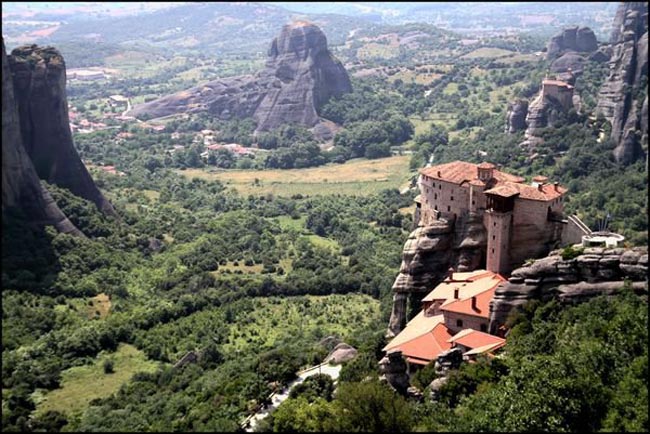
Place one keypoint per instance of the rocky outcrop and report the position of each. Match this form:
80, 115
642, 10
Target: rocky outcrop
516, 116
300, 76
597, 271
580, 39
428, 254
542, 112
619, 99
39, 89
22, 191
341, 353
393, 370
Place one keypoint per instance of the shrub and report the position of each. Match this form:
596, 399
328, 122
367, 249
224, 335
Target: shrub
108, 366
569, 252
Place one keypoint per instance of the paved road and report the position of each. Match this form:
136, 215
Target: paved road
277, 398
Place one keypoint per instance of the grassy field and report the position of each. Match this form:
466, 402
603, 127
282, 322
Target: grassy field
81, 384
100, 307
377, 51
487, 52
359, 177
273, 318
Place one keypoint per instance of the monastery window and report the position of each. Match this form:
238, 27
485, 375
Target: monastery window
495, 224
493, 250
448, 208
436, 207
459, 323
484, 327
433, 184
427, 190
473, 202
439, 186
494, 237
452, 198
435, 196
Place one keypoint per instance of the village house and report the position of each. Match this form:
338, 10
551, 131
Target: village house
454, 314
521, 220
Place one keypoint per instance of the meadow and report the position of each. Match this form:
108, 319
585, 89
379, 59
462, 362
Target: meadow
359, 177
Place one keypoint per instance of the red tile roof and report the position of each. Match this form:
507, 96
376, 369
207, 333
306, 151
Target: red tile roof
458, 172
475, 339
525, 191
429, 345
464, 306
557, 83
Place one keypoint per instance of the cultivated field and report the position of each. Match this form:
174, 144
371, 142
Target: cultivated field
82, 384
359, 177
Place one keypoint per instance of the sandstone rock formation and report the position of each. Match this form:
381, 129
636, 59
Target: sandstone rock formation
21, 189
580, 39
516, 116
597, 271
619, 99
300, 76
39, 89
428, 253
341, 353
393, 370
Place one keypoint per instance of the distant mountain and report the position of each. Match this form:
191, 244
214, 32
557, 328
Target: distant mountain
205, 27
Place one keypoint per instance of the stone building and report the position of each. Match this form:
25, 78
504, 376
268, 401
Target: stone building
455, 314
521, 220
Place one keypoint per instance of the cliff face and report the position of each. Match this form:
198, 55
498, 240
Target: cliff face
428, 254
300, 76
597, 271
21, 188
516, 116
39, 89
619, 99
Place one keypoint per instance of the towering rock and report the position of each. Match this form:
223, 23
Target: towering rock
620, 99
580, 39
516, 116
428, 254
299, 77
21, 188
39, 89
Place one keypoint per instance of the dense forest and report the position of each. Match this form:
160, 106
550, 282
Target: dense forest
95, 329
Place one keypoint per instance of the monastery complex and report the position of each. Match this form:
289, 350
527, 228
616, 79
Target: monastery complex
519, 218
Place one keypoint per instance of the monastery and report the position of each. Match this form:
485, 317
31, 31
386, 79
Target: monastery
520, 219
455, 313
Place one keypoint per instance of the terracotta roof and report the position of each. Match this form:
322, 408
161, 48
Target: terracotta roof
486, 165
429, 345
418, 326
478, 281
540, 178
557, 83
525, 191
464, 306
477, 182
458, 172
504, 190
471, 338
485, 348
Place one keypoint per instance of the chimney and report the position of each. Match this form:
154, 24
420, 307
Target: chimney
455, 293
474, 303
539, 187
555, 184
439, 175
450, 274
